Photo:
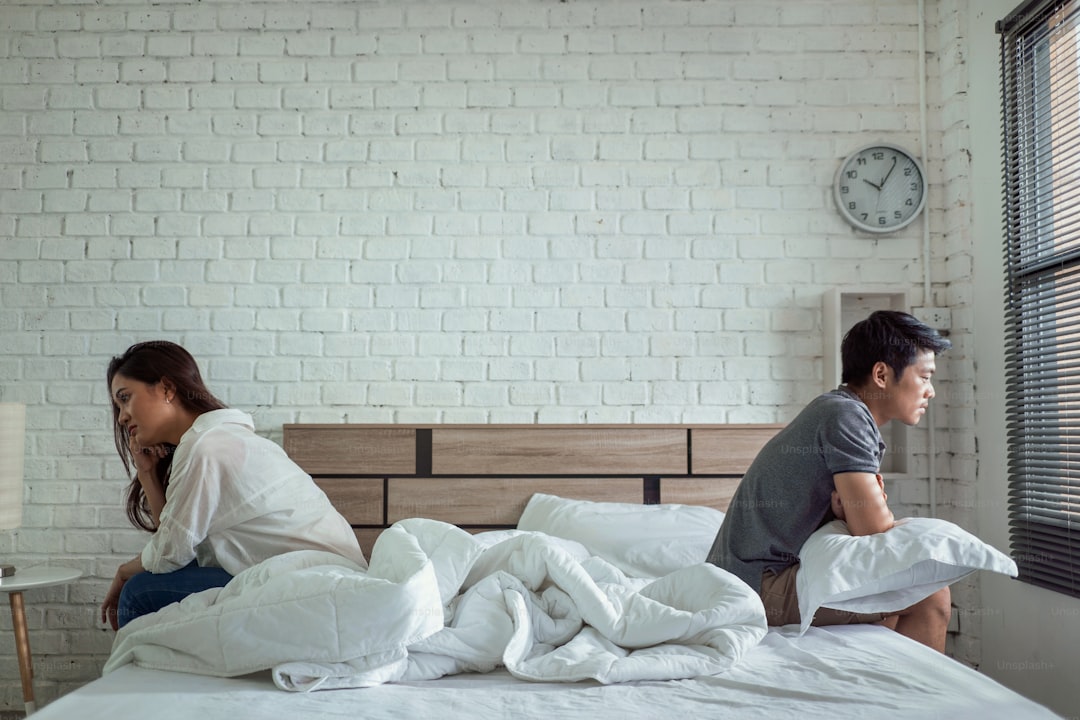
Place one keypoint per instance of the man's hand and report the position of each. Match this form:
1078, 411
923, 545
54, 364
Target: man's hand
837, 506
860, 501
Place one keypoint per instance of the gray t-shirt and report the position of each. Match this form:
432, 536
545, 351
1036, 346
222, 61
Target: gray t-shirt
786, 493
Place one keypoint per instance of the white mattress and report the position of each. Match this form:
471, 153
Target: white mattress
845, 672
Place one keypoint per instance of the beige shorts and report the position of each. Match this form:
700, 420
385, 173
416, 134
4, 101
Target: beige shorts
782, 603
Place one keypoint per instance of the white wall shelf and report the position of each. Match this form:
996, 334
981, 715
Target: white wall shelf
842, 308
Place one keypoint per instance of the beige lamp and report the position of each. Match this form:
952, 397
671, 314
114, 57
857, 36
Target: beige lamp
12, 448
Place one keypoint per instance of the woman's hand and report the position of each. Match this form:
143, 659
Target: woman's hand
145, 458
111, 602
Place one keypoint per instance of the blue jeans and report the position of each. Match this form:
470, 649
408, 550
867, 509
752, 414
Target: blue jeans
147, 592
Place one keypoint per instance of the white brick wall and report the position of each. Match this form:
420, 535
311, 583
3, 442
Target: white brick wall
951, 219
441, 211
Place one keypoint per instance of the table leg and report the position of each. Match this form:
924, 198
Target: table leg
22, 648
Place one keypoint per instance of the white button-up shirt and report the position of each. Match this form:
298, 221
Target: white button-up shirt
235, 499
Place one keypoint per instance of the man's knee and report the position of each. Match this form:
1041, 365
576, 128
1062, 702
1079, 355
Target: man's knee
937, 606
941, 601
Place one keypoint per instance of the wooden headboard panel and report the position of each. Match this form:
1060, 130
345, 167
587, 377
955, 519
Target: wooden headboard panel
481, 476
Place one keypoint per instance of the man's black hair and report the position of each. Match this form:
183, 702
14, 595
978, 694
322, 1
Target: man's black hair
888, 336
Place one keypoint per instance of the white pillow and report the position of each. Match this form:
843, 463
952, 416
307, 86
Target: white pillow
640, 540
888, 571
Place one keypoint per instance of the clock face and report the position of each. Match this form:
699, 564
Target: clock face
880, 188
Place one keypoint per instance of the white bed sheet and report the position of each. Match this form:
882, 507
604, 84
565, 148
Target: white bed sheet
859, 672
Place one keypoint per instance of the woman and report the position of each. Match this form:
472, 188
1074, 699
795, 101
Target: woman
217, 497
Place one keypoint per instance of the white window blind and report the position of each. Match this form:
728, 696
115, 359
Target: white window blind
1041, 144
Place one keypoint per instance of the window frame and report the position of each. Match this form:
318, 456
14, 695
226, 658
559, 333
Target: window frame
1040, 76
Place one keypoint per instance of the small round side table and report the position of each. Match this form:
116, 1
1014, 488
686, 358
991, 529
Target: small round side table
14, 585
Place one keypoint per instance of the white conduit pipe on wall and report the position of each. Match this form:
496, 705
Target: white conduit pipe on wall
931, 449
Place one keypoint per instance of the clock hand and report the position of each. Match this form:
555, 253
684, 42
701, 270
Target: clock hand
876, 187
888, 173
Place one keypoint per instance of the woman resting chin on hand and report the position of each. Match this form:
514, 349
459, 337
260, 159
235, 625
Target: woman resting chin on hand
197, 463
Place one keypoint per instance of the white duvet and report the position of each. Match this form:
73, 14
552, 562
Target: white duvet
436, 601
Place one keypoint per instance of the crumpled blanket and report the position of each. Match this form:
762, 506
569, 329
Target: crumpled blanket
435, 601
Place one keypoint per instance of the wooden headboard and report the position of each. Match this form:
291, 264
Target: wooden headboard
481, 476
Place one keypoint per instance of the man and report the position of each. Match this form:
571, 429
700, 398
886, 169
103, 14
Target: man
826, 464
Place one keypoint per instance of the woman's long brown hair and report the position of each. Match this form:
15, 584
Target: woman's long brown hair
151, 363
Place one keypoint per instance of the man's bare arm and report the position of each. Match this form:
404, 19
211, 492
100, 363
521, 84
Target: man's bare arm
860, 501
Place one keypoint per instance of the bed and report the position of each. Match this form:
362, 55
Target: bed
492, 486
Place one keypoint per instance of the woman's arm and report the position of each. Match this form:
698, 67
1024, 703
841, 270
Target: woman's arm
197, 485
155, 495
111, 602
146, 460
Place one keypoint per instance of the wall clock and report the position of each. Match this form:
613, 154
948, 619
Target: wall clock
880, 188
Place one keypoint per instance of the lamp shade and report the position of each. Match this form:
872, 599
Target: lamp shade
12, 448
